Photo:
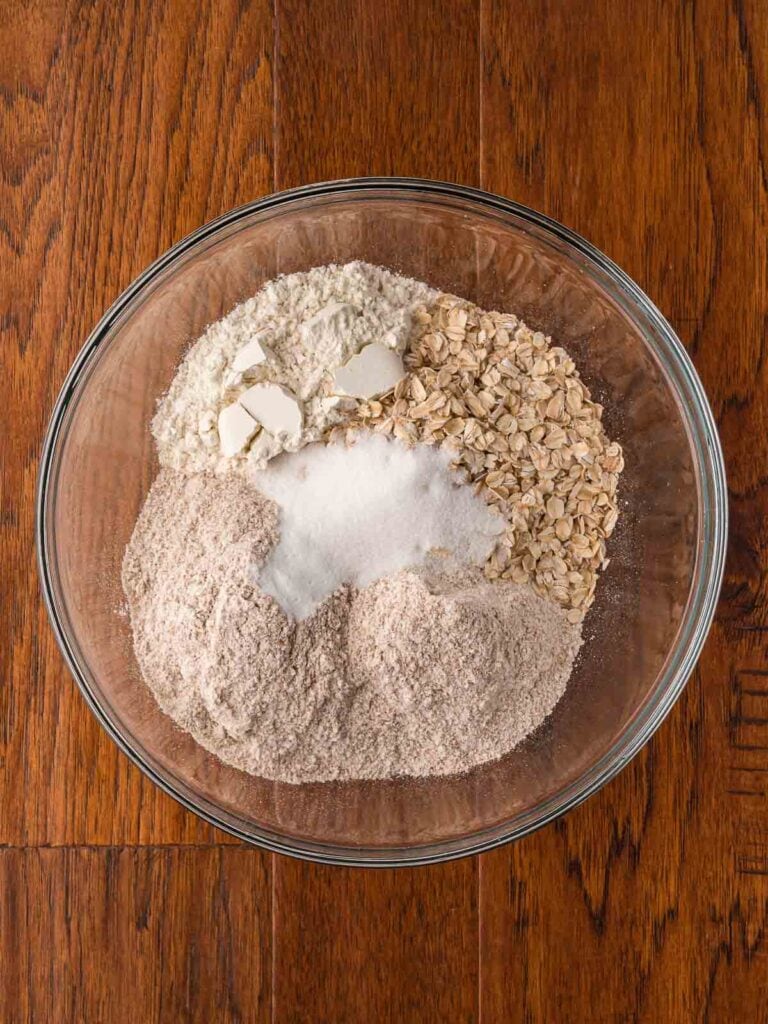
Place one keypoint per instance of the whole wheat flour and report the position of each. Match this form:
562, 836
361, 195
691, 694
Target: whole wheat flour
421, 673
309, 324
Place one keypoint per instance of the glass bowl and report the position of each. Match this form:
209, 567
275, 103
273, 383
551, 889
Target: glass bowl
654, 604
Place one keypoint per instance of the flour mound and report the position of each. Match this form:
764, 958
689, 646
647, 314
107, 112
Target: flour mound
375, 305
421, 673
469, 667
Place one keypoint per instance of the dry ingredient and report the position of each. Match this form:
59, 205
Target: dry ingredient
418, 674
372, 372
296, 332
357, 611
274, 408
353, 515
524, 430
236, 428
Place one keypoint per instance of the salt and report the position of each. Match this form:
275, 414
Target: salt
356, 514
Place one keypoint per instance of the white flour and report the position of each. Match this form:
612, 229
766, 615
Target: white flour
367, 304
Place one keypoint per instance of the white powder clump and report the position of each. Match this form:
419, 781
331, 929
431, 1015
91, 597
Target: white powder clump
308, 324
353, 515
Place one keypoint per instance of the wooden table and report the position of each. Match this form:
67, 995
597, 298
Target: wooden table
641, 125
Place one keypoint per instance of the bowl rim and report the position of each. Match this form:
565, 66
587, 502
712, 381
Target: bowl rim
702, 600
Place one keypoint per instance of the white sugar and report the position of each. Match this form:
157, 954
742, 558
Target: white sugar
354, 515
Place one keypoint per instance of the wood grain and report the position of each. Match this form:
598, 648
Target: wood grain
392, 96
641, 125
122, 127
365, 89
660, 881
388, 946
134, 935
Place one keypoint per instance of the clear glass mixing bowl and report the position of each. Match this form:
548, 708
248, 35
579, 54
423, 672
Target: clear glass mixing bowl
654, 604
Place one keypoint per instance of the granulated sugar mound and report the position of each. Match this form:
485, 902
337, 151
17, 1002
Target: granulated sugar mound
418, 674
353, 515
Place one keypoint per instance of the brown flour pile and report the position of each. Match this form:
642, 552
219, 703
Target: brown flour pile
418, 674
